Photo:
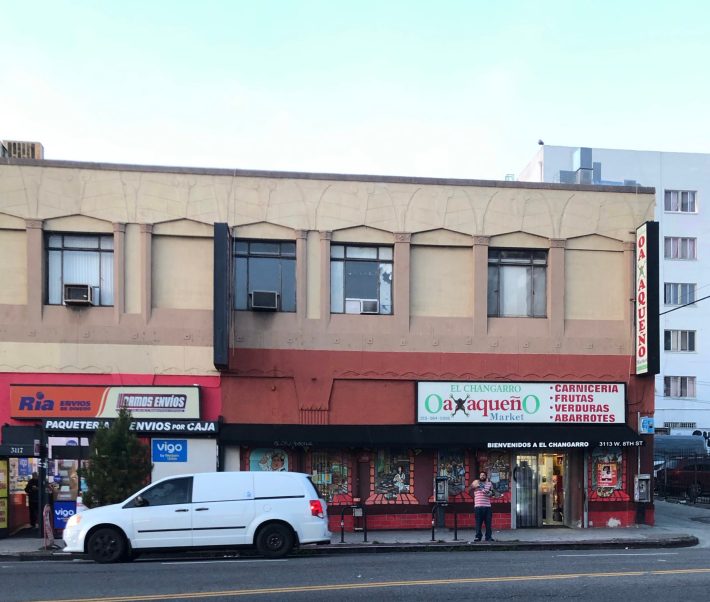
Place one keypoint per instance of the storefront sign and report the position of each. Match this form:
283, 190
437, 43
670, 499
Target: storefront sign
63, 511
641, 301
184, 427
169, 450
40, 401
647, 299
521, 402
562, 444
646, 425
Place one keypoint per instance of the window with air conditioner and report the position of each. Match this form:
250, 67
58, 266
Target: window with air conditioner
360, 279
517, 283
265, 275
79, 262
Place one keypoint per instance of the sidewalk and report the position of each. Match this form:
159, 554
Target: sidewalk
24, 547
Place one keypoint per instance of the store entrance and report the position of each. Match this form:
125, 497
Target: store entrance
539, 490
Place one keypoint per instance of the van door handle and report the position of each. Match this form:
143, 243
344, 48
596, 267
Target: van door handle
182, 510
200, 509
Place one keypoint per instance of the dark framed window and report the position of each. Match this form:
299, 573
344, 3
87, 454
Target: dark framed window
265, 271
361, 279
679, 340
165, 493
80, 259
679, 386
517, 283
679, 201
678, 293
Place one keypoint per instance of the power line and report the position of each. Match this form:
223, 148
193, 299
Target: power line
684, 305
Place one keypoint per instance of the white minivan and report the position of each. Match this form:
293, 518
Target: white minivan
273, 511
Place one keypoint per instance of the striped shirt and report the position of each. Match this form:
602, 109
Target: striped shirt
482, 495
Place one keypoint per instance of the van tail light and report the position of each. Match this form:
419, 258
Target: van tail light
317, 508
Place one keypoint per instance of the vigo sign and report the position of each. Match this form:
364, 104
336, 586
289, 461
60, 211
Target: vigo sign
521, 402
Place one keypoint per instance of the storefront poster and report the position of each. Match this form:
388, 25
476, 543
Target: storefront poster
607, 475
392, 477
271, 460
519, 403
40, 401
3, 513
606, 472
4, 478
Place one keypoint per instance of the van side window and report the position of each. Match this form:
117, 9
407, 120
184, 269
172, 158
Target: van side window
175, 491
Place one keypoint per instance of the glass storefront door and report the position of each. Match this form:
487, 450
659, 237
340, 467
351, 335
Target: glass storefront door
539, 490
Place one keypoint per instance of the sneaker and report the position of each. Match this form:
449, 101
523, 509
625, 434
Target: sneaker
477, 539
490, 539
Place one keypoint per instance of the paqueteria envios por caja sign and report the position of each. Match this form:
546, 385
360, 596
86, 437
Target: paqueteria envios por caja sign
521, 402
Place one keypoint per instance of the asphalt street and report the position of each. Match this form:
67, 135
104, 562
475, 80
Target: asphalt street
618, 574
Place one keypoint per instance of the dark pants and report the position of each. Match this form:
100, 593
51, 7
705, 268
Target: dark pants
484, 514
33, 511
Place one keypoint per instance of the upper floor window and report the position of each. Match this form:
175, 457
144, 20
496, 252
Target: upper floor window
265, 275
80, 259
680, 201
360, 279
517, 283
678, 293
679, 386
679, 340
677, 247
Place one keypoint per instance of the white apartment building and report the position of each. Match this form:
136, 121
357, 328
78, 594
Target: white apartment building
682, 182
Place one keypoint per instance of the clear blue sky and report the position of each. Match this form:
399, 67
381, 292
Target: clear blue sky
440, 88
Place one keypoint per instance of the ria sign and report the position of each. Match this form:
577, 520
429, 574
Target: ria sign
647, 342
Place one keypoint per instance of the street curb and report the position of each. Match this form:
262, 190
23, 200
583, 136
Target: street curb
384, 548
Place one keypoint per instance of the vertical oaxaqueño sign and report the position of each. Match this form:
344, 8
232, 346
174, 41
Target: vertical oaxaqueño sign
647, 300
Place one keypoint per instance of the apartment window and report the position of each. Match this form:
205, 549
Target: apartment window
680, 201
677, 247
679, 340
360, 279
265, 275
517, 283
80, 259
679, 386
678, 293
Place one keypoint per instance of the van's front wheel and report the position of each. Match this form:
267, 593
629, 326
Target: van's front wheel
106, 545
274, 541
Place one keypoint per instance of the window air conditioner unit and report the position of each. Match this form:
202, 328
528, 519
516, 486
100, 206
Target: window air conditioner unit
362, 306
78, 294
265, 300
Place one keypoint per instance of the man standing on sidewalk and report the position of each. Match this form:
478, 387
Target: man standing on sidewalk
482, 492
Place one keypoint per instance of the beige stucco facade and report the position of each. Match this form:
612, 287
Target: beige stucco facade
161, 220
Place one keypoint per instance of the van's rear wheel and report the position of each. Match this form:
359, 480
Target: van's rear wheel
106, 545
274, 541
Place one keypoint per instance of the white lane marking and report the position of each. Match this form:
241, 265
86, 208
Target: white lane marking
618, 554
216, 561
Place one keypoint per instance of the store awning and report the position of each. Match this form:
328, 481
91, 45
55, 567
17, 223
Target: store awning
540, 436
